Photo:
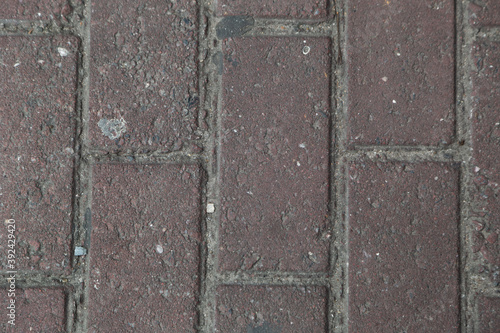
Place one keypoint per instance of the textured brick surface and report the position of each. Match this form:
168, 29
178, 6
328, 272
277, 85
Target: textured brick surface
34, 9
145, 257
486, 143
37, 310
268, 309
143, 74
272, 8
484, 12
401, 72
489, 315
275, 154
403, 247
36, 142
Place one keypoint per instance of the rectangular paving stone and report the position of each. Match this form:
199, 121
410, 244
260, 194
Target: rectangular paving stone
403, 247
489, 314
274, 165
144, 248
485, 75
400, 58
269, 8
143, 86
484, 13
258, 309
34, 9
37, 129
35, 310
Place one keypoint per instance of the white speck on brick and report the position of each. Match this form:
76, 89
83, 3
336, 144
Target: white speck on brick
159, 249
210, 208
62, 51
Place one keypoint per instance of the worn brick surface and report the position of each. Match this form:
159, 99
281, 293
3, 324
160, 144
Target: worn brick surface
37, 129
37, 310
34, 9
486, 150
275, 154
271, 309
489, 314
484, 13
143, 90
272, 8
403, 247
401, 72
145, 257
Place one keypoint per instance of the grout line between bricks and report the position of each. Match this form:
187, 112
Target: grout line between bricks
83, 184
274, 278
338, 316
291, 28
332, 202
463, 137
99, 156
469, 308
445, 155
210, 87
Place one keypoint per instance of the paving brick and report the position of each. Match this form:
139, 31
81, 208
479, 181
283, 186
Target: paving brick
275, 141
37, 126
489, 314
36, 310
144, 248
34, 9
401, 72
484, 13
143, 89
271, 8
403, 247
486, 147
260, 309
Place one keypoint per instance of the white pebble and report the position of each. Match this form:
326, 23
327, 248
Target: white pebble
210, 208
62, 51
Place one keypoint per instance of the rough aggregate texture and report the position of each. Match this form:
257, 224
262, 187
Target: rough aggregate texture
37, 130
145, 255
143, 74
271, 309
275, 145
403, 247
401, 72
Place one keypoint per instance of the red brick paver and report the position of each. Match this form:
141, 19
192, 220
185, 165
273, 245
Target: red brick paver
401, 72
37, 122
403, 247
275, 154
36, 310
489, 311
143, 74
271, 309
145, 255
34, 9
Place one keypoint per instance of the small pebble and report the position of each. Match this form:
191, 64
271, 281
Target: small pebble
62, 51
80, 251
210, 208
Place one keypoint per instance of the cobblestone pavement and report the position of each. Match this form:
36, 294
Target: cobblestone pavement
250, 166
